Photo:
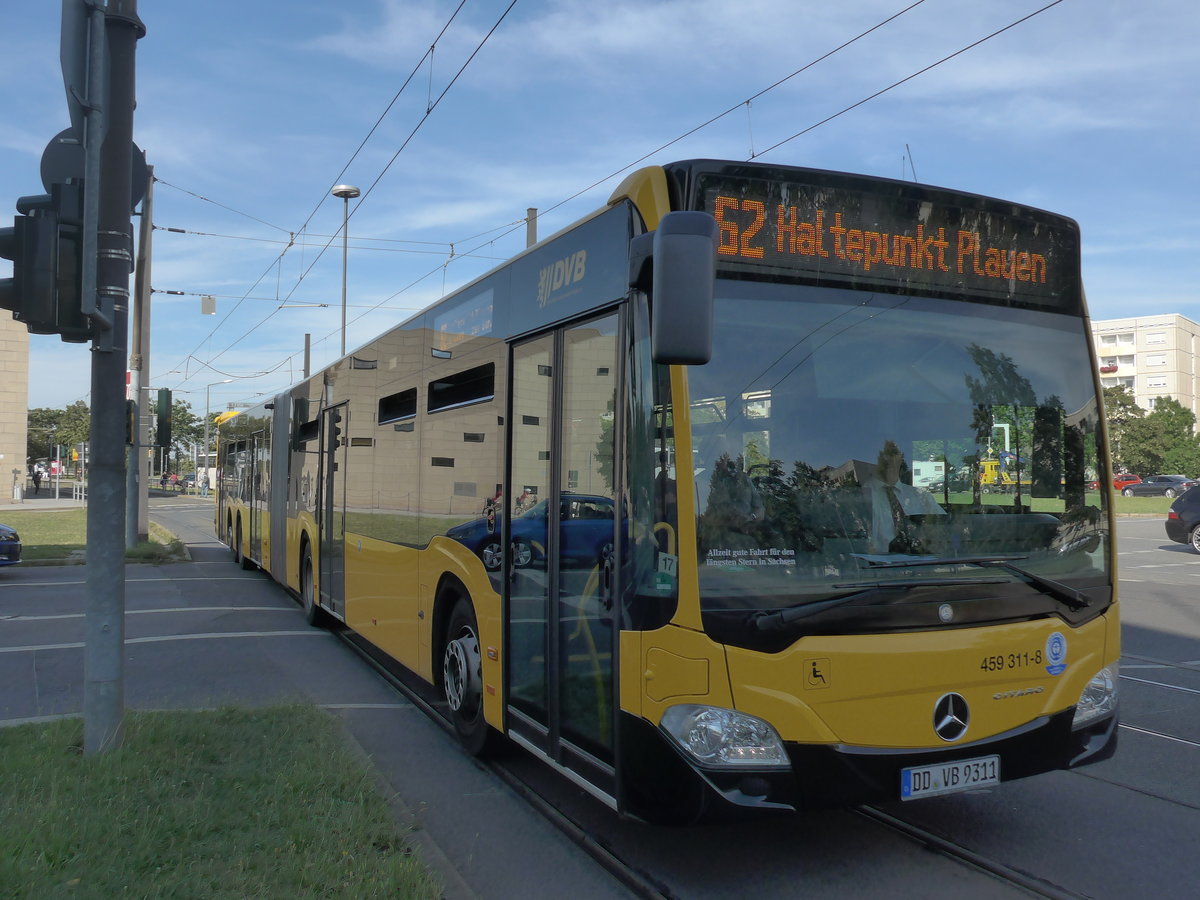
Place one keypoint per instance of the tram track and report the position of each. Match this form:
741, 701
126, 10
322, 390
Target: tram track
1037, 887
640, 883
646, 885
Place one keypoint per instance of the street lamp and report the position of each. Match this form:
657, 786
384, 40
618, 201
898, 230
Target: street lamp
346, 192
207, 420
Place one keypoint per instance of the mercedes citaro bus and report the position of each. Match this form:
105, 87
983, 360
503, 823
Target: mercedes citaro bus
641, 500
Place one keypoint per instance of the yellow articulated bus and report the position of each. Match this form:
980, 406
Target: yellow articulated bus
641, 499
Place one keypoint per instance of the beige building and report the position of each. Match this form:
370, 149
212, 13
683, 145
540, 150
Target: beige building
14, 399
1152, 356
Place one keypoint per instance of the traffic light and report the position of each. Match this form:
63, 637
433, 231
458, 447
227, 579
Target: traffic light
45, 245
163, 432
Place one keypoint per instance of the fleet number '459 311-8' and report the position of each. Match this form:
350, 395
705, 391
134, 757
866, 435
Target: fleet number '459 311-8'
1000, 661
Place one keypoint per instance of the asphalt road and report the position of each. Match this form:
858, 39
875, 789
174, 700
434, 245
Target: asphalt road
205, 633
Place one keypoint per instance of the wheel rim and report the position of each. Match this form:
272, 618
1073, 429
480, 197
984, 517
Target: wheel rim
1196, 539
462, 672
522, 554
492, 555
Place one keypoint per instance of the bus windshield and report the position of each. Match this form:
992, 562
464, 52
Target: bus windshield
877, 456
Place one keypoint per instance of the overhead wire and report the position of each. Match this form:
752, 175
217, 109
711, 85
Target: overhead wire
362, 144
505, 230
431, 106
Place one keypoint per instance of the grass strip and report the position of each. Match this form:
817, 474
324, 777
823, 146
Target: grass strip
59, 534
226, 804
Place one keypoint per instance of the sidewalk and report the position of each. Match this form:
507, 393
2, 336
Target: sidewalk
204, 633
45, 499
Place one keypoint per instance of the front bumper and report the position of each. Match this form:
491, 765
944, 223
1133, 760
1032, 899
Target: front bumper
837, 775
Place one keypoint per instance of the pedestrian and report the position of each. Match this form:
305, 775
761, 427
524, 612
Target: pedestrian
37, 479
204, 483
175, 481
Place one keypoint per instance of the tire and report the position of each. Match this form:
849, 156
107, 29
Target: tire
1170, 492
1128, 492
1194, 538
244, 561
235, 547
492, 554
462, 680
313, 614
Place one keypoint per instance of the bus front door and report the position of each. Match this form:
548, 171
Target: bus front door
331, 506
561, 508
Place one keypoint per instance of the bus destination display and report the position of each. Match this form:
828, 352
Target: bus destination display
889, 240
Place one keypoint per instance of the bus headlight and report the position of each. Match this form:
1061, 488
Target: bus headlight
1099, 697
724, 738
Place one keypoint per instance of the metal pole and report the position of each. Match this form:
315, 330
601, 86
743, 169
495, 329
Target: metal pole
207, 418
345, 191
136, 469
307, 354
345, 252
531, 226
104, 676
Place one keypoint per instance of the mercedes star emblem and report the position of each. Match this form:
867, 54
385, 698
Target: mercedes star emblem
951, 717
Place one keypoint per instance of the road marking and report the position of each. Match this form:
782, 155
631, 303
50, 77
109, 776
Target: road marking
1173, 687
58, 717
142, 612
14, 585
1159, 734
78, 645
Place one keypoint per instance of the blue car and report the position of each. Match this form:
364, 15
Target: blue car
10, 546
586, 533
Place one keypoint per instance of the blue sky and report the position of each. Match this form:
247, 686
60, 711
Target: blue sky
250, 112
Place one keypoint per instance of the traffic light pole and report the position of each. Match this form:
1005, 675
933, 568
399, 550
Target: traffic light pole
104, 683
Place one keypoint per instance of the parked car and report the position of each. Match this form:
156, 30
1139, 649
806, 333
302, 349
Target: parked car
10, 546
1183, 519
1119, 481
1159, 486
586, 536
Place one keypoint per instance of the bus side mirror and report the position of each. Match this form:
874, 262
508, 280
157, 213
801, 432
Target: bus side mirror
682, 284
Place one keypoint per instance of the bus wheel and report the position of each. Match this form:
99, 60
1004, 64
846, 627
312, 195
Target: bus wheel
462, 679
243, 560
313, 614
235, 547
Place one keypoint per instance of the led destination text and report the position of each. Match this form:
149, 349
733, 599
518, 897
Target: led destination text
743, 235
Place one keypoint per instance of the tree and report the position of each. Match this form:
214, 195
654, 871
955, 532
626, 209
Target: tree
186, 427
42, 435
1163, 441
1120, 412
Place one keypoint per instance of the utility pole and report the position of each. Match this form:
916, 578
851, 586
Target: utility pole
104, 681
138, 468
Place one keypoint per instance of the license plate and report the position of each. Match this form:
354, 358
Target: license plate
948, 777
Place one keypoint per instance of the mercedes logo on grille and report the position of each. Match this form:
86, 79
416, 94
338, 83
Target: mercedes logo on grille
951, 717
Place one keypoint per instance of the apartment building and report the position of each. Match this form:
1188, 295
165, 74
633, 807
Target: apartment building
14, 399
1152, 356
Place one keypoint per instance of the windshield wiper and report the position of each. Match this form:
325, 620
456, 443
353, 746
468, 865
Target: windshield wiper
775, 621
1064, 594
